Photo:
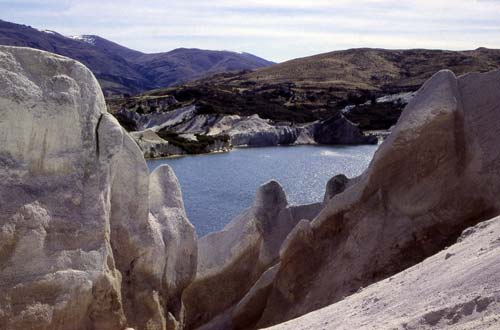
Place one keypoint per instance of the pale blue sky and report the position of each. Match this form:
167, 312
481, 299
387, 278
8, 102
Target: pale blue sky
275, 29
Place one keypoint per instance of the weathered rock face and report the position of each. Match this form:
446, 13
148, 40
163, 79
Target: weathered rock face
88, 240
57, 269
335, 186
454, 289
256, 132
158, 120
78, 248
136, 244
339, 130
436, 175
154, 146
231, 261
167, 210
250, 307
242, 130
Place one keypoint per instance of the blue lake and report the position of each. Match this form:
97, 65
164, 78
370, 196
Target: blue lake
217, 187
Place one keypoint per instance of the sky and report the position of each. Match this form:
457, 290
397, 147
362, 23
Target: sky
277, 30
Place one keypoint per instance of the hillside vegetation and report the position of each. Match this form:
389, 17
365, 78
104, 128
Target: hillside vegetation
317, 87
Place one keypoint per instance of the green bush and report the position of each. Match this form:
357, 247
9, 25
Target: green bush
189, 146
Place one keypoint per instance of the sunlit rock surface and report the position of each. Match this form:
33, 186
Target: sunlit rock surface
180, 256
78, 248
454, 289
154, 146
232, 260
242, 130
88, 240
433, 177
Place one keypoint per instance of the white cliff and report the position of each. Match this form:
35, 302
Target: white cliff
90, 240
242, 130
433, 177
454, 289
180, 255
78, 246
231, 261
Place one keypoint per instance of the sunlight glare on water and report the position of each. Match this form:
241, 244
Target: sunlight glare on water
217, 187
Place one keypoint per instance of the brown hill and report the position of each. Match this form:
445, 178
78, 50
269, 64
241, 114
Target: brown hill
315, 87
375, 69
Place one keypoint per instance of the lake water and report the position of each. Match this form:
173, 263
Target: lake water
217, 187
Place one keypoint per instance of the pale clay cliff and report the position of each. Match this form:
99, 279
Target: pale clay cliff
232, 260
79, 247
457, 288
436, 175
251, 131
90, 240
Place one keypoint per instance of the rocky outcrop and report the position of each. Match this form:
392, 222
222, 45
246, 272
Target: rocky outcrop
257, 132
158, 120
167, 210
231, 261
378, 114
250, 131
158, 134
154, 146
90, 240
136, 244
434, 176
335, 186
79, 248
56, 269
339, 130
254, 131
454, 289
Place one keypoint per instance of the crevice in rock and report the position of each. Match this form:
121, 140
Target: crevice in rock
97, 135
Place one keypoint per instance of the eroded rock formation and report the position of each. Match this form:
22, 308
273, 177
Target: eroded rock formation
154, 146
231, 261
180, 256
454, 289
79, 248
90, 240
241, 130
434, 176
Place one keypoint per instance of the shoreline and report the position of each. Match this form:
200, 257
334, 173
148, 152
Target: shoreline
381, 138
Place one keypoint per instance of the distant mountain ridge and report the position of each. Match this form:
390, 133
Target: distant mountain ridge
319, 86
375, 69
182, 65
109, 46
122, 70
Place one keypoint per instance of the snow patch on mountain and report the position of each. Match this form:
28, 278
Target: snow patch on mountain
47, 31
84, 38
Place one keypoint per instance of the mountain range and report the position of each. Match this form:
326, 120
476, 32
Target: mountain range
121, 70
316, 87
